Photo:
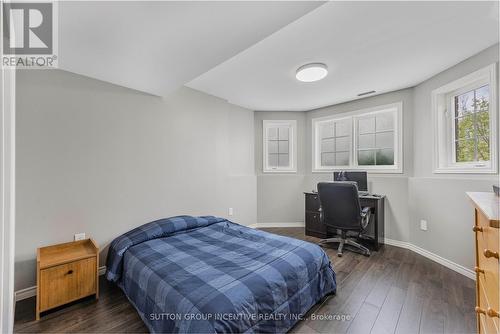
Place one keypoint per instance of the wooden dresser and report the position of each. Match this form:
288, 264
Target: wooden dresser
486, 228
66, 272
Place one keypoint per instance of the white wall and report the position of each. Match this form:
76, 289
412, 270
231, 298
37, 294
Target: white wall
440, 198
102, 159
7, 197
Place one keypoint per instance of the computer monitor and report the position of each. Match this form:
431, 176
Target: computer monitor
358, 177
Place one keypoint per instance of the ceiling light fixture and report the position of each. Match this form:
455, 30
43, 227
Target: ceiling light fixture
311, 72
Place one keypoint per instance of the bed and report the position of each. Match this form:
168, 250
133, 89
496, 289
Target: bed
209, 275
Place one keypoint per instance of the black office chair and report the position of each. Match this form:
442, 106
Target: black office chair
340, 209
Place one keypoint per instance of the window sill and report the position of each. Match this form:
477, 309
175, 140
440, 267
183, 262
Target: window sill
451, 170
369, 170
279, 171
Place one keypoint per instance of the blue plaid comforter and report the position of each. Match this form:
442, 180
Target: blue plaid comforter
208, 275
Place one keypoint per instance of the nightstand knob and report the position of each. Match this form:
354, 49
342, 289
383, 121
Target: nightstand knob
69, 272
477, 229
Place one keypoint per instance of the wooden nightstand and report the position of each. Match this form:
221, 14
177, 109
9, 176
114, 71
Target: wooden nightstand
65, 273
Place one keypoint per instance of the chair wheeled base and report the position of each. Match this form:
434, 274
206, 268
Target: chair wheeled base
343, 240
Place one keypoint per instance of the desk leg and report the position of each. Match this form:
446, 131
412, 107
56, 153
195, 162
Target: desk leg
379, 224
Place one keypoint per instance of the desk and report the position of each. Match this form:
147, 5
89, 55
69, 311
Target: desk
374, 234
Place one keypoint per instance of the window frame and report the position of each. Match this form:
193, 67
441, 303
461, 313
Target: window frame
354, 116
292, 146
443, 117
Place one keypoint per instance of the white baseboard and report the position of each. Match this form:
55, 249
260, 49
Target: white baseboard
31, 291
434, 257
277, 224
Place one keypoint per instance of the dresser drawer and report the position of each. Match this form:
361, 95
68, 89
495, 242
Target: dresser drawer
312, 202
67, 282
487, 323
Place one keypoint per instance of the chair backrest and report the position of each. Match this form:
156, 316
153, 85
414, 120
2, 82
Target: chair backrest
340, 205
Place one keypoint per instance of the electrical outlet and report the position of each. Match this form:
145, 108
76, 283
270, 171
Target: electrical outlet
79, 236
423, 225
230, 211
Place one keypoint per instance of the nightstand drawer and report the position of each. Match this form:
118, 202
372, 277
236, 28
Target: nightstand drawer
67, 282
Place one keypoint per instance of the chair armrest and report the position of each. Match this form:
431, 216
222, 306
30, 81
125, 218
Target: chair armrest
365, 211
365, 217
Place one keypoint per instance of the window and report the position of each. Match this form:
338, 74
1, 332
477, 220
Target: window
465, 134
335, 142
376, 139
368, 139
279, 146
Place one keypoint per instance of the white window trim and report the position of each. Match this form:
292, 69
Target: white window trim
443, 153
353, 163
292, 146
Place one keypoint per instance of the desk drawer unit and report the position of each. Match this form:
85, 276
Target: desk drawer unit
314, 227
487, 262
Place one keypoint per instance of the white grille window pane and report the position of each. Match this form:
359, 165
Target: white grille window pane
283, 146
283, 160
464, 127
279, 145
483, 138
384, 122
342, 128
366, 141
342, 144
464, 103
472, 127
482, 97
272, 134
385, 157
272, 146
342, 159
283, 133
366, 125
384, 140
328, 145
273, 160
328, 159
326, 130
366, 157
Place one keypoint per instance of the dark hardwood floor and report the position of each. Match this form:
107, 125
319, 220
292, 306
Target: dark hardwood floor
392, 291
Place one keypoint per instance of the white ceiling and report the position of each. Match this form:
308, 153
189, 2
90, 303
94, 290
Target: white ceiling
157, 47
247, 52
381, 46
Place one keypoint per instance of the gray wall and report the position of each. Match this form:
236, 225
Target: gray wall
101, 159
394, 186
416, 194
280, 196
440, 198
